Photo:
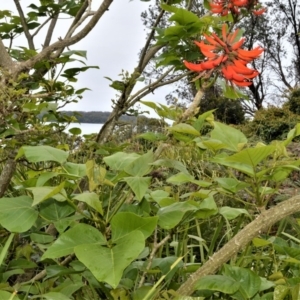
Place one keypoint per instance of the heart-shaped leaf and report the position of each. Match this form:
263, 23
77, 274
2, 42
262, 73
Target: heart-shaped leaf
108, 263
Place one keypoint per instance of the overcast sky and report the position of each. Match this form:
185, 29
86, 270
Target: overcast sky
113, 45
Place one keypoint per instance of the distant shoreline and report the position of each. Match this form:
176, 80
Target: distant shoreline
95, 117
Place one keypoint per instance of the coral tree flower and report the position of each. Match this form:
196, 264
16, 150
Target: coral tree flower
223, 7
227, 57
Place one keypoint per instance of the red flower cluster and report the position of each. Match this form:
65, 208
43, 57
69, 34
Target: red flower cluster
226, 56
223, 7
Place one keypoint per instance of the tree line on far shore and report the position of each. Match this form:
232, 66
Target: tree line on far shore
96, 117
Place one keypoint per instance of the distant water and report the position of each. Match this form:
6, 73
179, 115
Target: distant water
86, 128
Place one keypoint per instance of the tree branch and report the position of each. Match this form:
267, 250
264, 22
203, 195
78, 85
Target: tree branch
84, 14
6, 175
151, 88
5, 59
194, 106
24, 24
162, 77
80, 13
155, 248
40, 27
150, 37
66, 42
50, 31
263, 222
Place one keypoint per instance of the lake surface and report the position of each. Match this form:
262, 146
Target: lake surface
86, 128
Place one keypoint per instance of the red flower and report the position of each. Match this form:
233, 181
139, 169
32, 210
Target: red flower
223, 7
226, 57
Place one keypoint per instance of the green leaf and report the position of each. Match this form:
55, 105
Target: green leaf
139, 185
111, 261
257, 242
8, 296
53, 210
265, 284
230, 92
170, 163
75, 131
41, 238
230, 213
44, 177
76, 170
231, 184
207, 208
17, 214
219, 283
162, 198
72, 72
246, 160
249, 282
5, 248
280, 292
91, 199
207, 116
77, 235
166, 265
81, 53
180, 178
45, 192
118, 85
123, 223
120, 160
21, 263
96, 175
55, 296
184, 128
171, 215
231, 138
140, 166
181, 16
42, 153
56, 270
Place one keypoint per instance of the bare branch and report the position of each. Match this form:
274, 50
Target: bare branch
149, 55
155, 248
141, 65
151, 88
40, 27
80, 13
66, 42
24, 25
80, 20
50, 31
162, 77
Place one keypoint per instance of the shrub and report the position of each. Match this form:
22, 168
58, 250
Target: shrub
293, 102
272, 123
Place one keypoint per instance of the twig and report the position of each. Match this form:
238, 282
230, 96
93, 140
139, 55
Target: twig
40, 27
153, 87
43, 273
150, 37
24, 25
156, 246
